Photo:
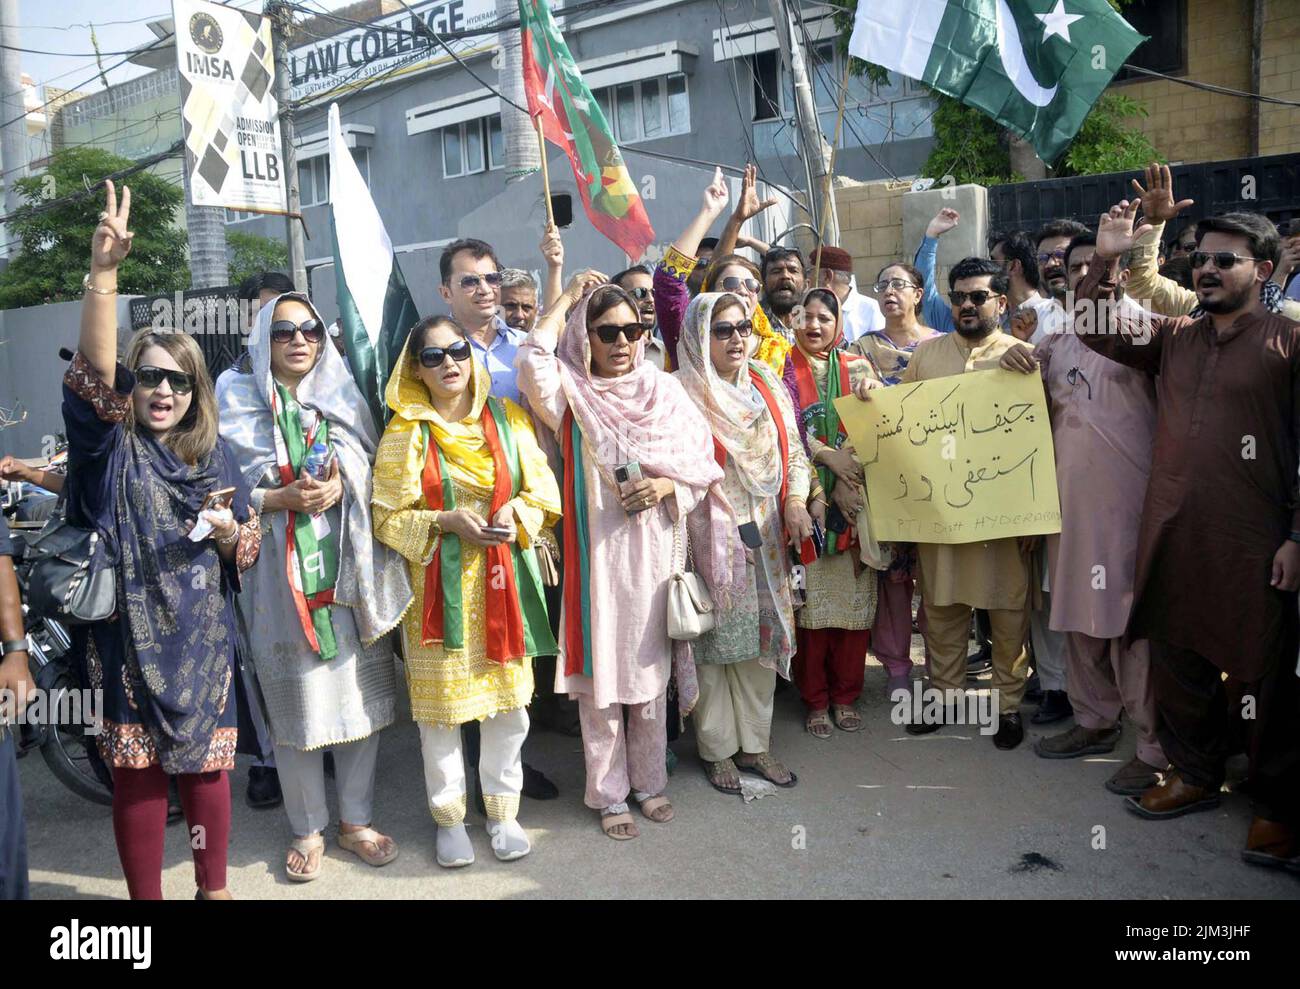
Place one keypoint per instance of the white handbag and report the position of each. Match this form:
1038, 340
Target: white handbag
690, 606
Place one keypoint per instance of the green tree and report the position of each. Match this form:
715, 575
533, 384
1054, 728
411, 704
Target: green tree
56, 221
972, 147
250, 253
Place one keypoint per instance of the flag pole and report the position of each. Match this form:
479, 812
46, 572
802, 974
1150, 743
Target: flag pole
830, 172
546, 175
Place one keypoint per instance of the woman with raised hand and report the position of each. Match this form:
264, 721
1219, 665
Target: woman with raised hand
756, 442
316, 614
640, 479
462, 491
901, 290
148, 472
835, 622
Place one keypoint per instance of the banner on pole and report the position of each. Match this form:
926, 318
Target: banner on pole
960, 459
229, 112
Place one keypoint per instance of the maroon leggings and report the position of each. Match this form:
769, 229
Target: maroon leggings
140, 821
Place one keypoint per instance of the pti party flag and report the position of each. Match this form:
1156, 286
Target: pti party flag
376, 310
1034, 66
572, 119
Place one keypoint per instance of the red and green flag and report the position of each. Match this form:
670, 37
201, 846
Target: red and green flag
572, 119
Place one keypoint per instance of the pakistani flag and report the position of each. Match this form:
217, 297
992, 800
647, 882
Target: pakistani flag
1034, 66
375, 307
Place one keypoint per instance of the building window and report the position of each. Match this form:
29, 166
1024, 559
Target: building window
1165, 24
897, 111
473, 146
648, 109
313, 182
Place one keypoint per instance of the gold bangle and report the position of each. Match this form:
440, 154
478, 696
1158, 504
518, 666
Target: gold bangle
435, 527
86, 286
234, 538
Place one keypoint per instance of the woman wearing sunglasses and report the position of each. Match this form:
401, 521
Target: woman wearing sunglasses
144, 457
728, 273
767, 475
316, 614
900, 289
463, 491
835, 622
639, 471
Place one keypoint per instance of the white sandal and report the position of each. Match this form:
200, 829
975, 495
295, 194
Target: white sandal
354, 842
304, 847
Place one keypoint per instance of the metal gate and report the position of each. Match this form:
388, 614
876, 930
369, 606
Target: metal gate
212, 316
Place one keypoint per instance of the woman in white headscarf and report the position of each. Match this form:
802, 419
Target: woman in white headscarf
317, 614
767, 479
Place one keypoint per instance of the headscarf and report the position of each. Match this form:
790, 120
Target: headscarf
645, 416
372, 577
734, 413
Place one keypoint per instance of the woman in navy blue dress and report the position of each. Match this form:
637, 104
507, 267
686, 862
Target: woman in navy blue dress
144, 454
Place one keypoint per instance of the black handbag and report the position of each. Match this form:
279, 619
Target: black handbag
71, 579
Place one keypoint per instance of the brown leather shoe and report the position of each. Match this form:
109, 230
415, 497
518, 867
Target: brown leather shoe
1134, 778
1172, 797
1272, 844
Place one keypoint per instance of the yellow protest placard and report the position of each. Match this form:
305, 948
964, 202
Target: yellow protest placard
959, 459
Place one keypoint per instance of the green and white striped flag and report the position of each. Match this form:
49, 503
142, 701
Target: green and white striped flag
376, 310
1034, 66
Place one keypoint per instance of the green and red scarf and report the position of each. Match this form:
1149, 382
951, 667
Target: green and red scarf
517, 624
820, 418
311, 547
577, 563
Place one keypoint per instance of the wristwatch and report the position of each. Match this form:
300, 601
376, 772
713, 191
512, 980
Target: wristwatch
14, 645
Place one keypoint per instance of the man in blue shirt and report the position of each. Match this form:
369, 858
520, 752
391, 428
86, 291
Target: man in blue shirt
471, 287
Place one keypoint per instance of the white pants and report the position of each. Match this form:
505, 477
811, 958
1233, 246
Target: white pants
500, 767
302, 780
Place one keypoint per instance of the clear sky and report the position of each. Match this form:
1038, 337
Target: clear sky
64, 26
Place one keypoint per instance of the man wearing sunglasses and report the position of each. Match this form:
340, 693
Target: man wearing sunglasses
956, 578
862, 313
1218, 560
638, 282
471, 287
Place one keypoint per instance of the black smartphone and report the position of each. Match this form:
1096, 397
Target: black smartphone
819, 538
835, 520
750, 536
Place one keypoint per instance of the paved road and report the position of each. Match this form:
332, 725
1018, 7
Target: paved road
876, 814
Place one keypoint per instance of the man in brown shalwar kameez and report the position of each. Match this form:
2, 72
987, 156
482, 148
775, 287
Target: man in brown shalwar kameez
1218, 559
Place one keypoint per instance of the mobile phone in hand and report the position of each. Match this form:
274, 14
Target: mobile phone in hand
626, 474
498, 531
217, 500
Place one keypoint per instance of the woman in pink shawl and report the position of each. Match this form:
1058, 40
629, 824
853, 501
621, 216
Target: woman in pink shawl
610, 408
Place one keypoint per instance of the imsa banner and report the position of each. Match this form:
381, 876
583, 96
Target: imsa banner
228, 107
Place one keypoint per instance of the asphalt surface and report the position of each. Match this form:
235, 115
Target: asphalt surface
875, 814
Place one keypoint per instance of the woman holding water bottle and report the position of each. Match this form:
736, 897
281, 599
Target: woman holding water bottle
317, 614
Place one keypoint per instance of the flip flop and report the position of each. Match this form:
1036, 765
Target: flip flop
304, 847
355, 841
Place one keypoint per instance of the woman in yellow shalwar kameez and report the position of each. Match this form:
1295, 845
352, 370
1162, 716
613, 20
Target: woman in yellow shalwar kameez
462, 490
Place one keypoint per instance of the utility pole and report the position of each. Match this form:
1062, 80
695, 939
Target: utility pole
206, 230
522, 154
816, 153
281, 26
13, 136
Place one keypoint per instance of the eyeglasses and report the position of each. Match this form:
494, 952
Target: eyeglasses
436, 356
1074, 376
640, 293
733, 284
725, 331
897, 284
1222, 259
977, 298
1054, 256
282, 330
610, 334
151, 377
471, 282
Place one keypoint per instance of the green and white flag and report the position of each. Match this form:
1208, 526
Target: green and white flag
1034, 66
376, 310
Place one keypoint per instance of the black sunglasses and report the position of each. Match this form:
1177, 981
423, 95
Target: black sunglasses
470, 282
978, 297
640, 293
1222, 259
151, 377
282, 330
725, 331
609, 334
733, 284
437, 356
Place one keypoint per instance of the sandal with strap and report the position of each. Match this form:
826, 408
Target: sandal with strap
765, 766
818, 725
846, 717
305, 847
716, 771
355, 842
608, 822
657, 808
